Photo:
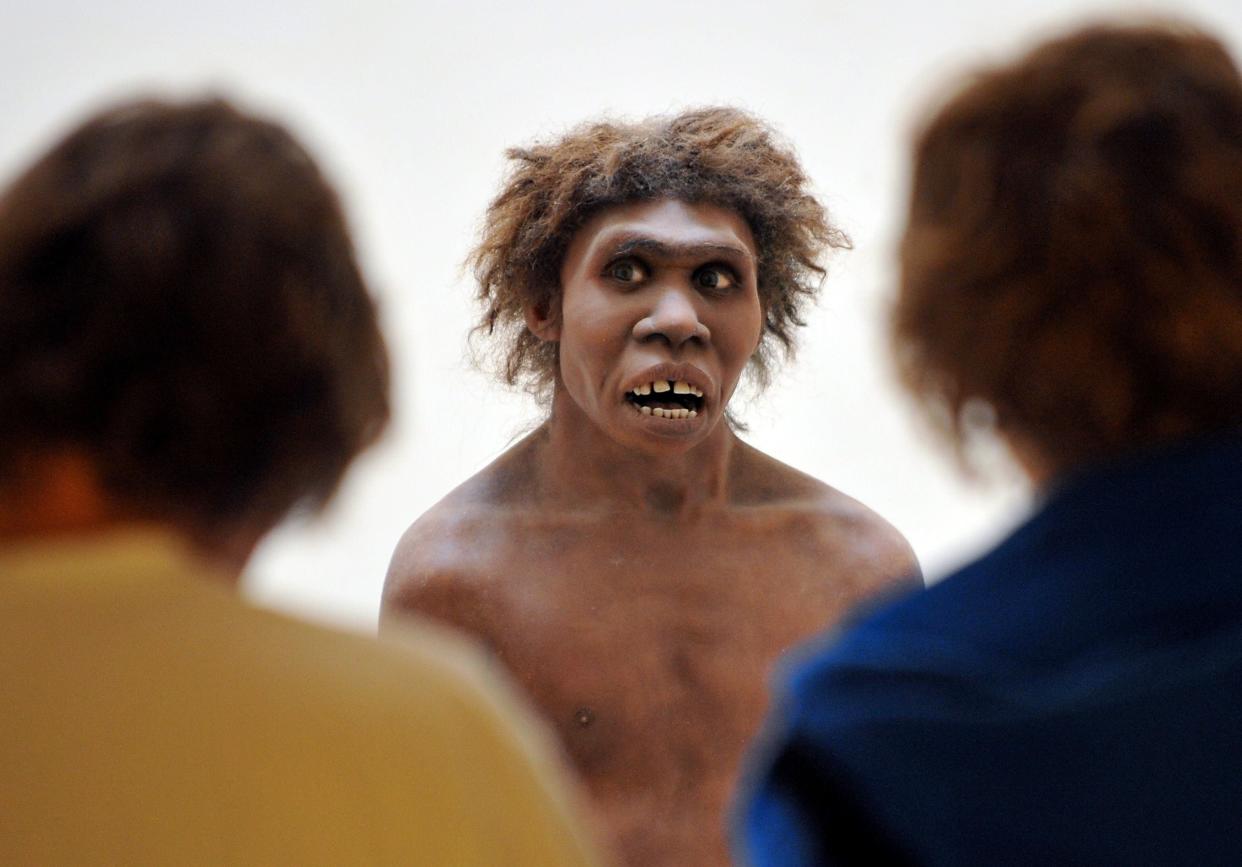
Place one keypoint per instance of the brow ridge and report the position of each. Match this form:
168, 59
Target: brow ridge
662, 249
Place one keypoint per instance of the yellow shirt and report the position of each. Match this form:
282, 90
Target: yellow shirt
149, 716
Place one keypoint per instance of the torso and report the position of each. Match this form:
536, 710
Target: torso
647, 640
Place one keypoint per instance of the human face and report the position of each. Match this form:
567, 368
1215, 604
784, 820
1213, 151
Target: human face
659, 314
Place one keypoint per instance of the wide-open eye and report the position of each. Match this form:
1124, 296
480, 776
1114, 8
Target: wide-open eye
714, 278
627, 271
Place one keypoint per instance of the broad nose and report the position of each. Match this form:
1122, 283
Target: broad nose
674, 318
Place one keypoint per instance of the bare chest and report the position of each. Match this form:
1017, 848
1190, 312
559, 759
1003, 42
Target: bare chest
649, 649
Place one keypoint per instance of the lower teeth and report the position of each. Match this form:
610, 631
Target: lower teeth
660, 412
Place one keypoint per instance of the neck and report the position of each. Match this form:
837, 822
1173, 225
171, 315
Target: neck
581, 467
59, 496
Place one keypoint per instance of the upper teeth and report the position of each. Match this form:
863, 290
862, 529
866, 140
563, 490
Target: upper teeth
660, 386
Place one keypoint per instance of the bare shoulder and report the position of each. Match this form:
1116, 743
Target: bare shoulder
840, 528
880, 553
448, 558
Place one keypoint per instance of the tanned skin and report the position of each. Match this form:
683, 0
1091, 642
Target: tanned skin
640, 575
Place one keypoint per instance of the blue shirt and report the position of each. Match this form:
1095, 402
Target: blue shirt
1073, 697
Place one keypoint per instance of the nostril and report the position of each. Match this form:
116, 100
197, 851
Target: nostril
676, 330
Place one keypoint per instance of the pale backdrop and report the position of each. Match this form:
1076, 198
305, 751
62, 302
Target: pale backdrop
410, 105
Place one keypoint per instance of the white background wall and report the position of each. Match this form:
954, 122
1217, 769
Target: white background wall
410, 105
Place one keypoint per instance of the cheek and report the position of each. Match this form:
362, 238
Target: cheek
743, 328
757, 323
594, 319
593, 335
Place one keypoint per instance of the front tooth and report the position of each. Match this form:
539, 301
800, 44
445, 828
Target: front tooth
643, 389
683, 413
697, 392
646, 410
660, 386
657, 412
681, 387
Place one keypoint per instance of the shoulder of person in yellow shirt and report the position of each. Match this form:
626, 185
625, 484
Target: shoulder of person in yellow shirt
157, 718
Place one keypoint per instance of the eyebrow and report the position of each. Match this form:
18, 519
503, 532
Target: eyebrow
643, 244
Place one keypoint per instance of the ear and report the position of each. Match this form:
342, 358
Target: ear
544, 321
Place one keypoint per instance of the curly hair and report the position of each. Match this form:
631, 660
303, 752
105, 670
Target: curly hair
720, 156
180, 300
1073, 254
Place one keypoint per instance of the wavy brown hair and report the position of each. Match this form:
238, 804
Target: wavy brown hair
720, 156
1073, 255
180, 301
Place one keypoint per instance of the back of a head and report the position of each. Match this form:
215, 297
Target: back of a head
180, 301
1073, 256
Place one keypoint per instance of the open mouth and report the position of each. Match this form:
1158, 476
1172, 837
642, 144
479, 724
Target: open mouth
665, 399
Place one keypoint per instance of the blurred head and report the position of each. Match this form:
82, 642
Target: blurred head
182, 313
720, 157
1073, 253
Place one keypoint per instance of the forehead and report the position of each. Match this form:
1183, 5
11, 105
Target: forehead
669, 223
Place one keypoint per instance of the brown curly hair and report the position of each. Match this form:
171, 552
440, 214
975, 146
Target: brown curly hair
1073, 255
179, 300
721, 156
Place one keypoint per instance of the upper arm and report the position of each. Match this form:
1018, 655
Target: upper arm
883, 559
408, 570
897, 566
425, 577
